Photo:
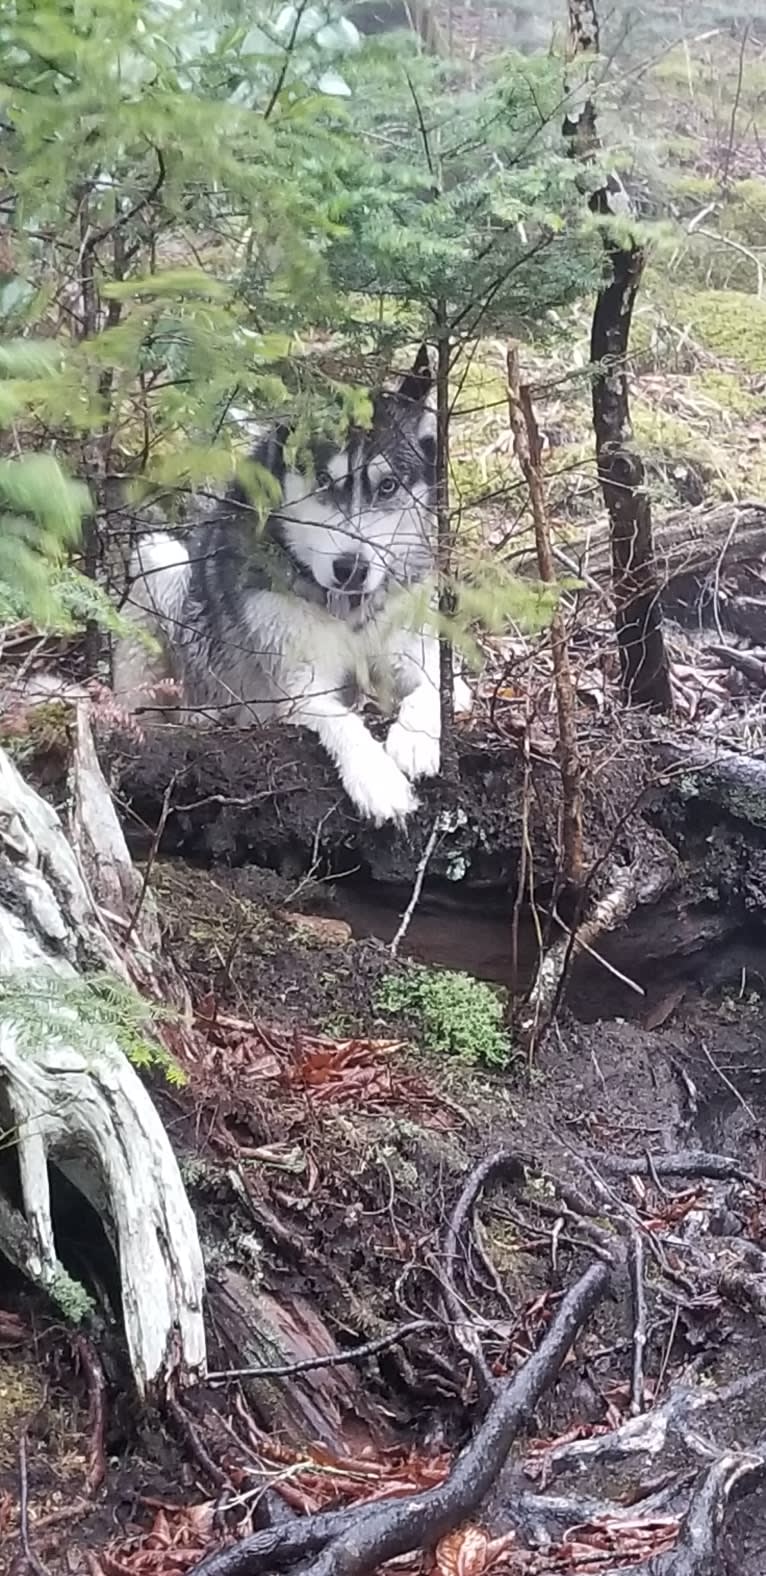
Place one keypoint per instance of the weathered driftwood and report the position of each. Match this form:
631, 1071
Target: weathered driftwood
70, 1094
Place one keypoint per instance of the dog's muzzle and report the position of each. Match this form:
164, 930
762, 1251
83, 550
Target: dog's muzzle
350, 573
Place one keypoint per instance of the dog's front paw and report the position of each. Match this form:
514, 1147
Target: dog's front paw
382, 793
415, 750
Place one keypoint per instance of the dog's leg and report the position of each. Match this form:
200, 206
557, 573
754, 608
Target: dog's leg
414, 738
159, 576
372, 779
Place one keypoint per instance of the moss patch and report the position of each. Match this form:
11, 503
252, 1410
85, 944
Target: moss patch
730, 323
455, 1013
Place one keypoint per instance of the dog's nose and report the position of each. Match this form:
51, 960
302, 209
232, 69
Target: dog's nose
350, 572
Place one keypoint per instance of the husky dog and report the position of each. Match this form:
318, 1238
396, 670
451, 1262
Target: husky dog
313, 615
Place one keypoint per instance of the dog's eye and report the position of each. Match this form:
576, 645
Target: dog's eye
323, 480
388, 487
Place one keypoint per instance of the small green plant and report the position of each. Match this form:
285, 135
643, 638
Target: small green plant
455, 1013
86, 1012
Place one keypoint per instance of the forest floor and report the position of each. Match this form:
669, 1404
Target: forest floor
351, 1146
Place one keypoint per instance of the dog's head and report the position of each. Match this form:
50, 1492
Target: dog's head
363, 521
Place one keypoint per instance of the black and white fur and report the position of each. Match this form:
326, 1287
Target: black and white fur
308, 618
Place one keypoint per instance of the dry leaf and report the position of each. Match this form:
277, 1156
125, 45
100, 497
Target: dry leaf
463, 1553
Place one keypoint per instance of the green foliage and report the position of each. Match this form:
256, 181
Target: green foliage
40, 509
456, 1014
86, 1012
472, 203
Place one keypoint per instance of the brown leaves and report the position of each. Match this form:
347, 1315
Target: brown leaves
470, 1551
238, 1057
178, 1538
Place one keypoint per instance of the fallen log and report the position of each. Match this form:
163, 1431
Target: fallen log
708, 563
270, 798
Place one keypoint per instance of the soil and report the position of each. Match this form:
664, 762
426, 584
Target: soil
348, 1198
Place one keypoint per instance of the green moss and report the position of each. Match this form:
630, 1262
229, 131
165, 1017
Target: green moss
728, 391
668, 436
456, 1014
731, 323
72, 1298
700, 187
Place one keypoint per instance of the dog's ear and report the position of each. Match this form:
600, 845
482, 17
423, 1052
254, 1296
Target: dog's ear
416, 384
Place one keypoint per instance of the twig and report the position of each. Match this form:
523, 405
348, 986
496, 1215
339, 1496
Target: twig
94, 1375
638, 1298
503, 1163
611, 910
727, 1083
35, 1564
735, 103
165, 808
335, 1360
417, 888
290, 46
197, 1450
526, 442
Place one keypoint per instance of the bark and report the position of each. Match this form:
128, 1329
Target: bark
638, 612
70, 1093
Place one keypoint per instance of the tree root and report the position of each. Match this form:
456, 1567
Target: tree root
371, 1536
504, 1163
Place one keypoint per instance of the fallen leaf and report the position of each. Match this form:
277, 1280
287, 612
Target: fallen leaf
463, 1553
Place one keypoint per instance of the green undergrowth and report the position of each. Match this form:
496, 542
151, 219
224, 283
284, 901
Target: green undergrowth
87, 1013
730, 323
455, 1014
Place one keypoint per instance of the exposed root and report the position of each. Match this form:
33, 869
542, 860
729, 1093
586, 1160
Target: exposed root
94, 1375
504, 1163
349, 1544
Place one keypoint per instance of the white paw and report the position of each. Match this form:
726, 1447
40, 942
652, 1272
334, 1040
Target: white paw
413, 748
380, 791
463, 698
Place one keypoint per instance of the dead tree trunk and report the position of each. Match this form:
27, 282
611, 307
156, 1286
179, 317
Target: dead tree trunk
638, 610
68, 1092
